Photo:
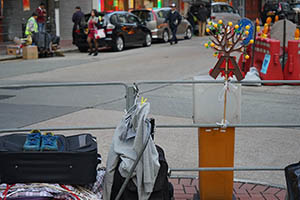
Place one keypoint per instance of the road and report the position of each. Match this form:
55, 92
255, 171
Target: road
26, 107
280, 104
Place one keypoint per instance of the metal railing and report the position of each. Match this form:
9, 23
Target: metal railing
131, 95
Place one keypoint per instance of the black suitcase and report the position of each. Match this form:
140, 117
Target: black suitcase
292, 176
75, 162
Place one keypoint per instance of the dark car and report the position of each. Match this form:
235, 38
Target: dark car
282, 9
122, 29
296, 8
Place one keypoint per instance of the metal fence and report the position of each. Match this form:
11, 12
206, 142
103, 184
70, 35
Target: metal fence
132, 92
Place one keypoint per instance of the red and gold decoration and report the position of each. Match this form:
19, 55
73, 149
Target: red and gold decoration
226, 39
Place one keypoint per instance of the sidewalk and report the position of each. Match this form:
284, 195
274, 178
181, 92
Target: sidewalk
65, 46
186, 188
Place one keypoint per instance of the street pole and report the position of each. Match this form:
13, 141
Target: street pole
57, 22
284, 38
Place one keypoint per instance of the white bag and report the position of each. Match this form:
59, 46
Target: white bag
252, 75
100, 34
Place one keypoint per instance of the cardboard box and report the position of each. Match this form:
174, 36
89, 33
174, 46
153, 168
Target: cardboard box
13, 50
30, 52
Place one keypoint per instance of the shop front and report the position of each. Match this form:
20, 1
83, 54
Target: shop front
129, 4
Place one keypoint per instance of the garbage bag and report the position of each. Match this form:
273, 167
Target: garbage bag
252, 75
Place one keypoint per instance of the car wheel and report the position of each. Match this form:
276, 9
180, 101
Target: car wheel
83, 49
148, 40
188, 33
165, 36
119, 44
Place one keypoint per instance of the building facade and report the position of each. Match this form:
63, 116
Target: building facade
14, 13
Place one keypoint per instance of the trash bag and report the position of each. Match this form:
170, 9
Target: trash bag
252, 75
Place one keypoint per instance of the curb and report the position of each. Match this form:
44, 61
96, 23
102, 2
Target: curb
8, 57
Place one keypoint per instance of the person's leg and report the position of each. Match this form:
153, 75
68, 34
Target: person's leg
203, 28
199, 28
44, 27
89, 40
175, 38
73, 35
96, 47
40, 27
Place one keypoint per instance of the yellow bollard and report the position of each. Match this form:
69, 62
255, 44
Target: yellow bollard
216, 149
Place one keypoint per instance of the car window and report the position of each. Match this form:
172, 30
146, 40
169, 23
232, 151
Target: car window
122, 19
160, 14
230, 9
285, 7
144, 15
224, 8
114, 19
132, 19
216, 8
270, 6
163, 13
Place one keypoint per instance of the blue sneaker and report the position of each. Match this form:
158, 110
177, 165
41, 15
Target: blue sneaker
33, 141
49, 142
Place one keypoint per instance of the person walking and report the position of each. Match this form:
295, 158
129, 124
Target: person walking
41, 19
77, 17
201, 17
174, 19
92, 27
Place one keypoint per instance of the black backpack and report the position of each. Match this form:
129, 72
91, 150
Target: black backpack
163, 189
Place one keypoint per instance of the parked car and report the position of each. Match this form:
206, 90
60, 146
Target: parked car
122, 29
223, 11
217, 11
155, 18
296, 8
282, 9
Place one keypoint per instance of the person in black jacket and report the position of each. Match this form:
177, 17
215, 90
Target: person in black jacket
190, 18
77, 18
202, 17
174, 19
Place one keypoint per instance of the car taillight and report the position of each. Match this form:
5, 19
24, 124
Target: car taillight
109, 28
154, 15
77, 31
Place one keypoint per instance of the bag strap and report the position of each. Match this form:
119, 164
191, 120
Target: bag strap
72, 193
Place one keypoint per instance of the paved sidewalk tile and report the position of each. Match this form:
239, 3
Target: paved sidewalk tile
186, 188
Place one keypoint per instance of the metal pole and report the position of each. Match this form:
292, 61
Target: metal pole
21, 130
253, 45
131, 94
284, 38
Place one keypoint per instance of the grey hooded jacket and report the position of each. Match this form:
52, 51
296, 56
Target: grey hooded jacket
128, 140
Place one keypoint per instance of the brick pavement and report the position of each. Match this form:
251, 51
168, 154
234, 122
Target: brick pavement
186, 188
